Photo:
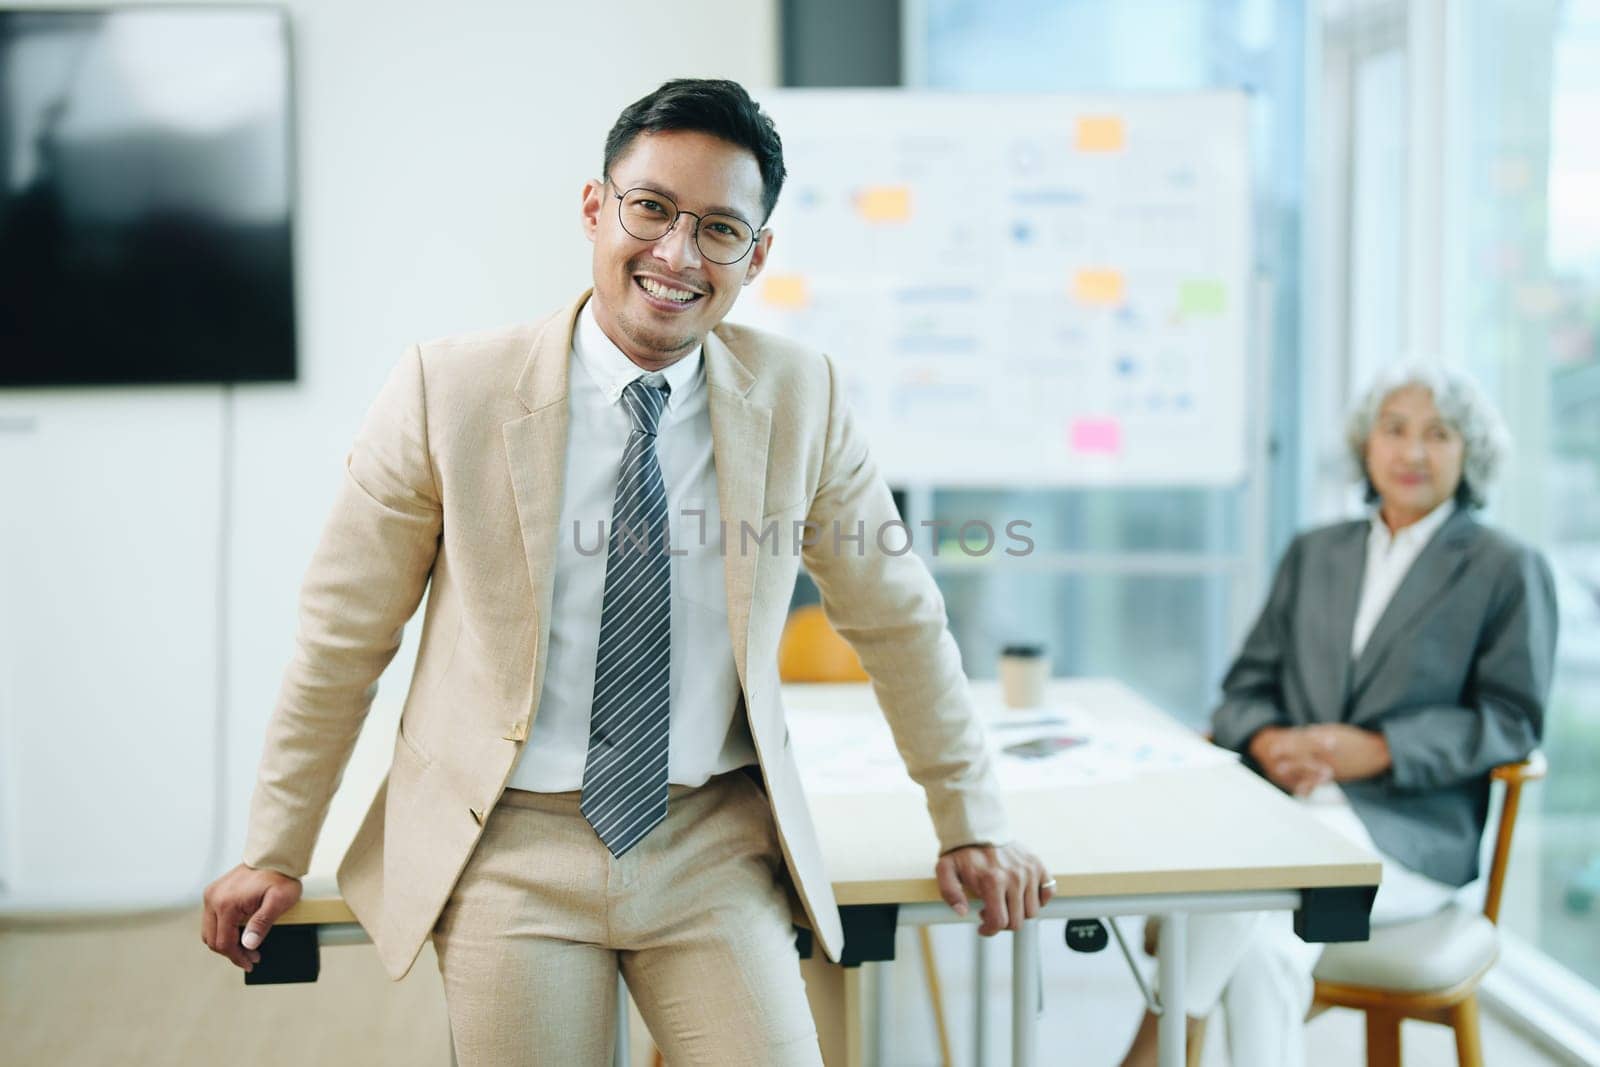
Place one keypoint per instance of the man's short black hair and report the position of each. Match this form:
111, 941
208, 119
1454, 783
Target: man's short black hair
705, 105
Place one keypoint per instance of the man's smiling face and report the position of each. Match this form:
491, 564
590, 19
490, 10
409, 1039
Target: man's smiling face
656, 300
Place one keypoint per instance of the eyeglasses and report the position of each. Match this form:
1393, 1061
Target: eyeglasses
649, 216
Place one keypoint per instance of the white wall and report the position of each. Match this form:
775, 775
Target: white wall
441, 148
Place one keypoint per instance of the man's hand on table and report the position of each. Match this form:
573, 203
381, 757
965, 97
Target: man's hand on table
1300, 758
1011, 882
249, 898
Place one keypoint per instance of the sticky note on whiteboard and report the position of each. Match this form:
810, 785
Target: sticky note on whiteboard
787, 291
1204, 296
1096, 436
1098, 288
1101, 133
884, 203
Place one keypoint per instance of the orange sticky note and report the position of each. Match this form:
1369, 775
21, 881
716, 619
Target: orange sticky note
1098, 288
1101, 133
787, 291
884, 203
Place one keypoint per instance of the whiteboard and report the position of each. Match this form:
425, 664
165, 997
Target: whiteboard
1021, 289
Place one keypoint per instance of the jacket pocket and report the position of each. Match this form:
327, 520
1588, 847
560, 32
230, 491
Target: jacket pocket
406, 741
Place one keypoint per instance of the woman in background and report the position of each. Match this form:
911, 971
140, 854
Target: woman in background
1398, 659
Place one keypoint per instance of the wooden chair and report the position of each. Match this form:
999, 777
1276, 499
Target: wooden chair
812, 651
1428, 969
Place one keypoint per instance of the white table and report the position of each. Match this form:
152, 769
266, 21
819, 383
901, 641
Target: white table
1170, 842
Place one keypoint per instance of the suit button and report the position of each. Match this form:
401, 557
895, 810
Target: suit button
518, 731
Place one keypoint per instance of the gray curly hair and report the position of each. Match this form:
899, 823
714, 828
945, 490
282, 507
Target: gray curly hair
1461, 404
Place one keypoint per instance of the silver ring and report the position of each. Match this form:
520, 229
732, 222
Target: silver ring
1048, 883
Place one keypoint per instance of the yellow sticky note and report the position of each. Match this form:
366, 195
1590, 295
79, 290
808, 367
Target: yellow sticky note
1101, 133
787, 291
884, 203
1098, 288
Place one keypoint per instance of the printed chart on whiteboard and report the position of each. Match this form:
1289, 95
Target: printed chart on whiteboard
1021, 289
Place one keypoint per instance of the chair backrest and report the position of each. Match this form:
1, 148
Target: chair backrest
1514, 775
812, 650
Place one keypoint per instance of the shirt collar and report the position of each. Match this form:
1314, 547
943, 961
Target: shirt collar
612, 371
1419, 532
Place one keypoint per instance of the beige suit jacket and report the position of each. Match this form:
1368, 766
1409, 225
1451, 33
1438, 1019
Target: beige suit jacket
455, 479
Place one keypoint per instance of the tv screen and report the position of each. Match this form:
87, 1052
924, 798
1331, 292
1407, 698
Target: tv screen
145, 197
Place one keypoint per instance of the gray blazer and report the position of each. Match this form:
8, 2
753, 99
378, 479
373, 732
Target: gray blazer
1455, 676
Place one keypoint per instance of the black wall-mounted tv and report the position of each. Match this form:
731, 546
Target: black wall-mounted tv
146, 193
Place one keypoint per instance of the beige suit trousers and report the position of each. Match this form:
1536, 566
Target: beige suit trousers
697, 916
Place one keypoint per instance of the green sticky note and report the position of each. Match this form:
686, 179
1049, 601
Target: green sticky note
1203, 297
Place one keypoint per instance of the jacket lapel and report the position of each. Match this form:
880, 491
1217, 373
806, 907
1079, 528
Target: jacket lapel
740, 432
1428, 577
536, 451
536, 447
1349, 557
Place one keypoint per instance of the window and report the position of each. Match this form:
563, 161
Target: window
1121, 581
1524, 168
1460, 137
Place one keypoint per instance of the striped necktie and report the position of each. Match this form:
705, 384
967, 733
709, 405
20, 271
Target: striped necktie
625, 774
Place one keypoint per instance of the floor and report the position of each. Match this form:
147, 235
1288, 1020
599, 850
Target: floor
146, 991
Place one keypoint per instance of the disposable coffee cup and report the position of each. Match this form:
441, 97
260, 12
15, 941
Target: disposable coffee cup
1024, 670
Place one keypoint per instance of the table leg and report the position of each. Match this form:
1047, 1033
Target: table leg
1170, 977
980, 999
1025, 994
882, 1006
855, 1047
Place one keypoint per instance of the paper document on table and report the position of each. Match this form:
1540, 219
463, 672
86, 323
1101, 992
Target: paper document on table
1043, 748
1049, 748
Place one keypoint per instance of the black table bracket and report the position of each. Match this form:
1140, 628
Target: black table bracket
1335, 913
868, 933
288, 954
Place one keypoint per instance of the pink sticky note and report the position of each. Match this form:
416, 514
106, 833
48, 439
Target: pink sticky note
1103, 436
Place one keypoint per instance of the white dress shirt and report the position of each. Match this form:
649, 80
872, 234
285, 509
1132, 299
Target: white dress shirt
1389, 557
708, 731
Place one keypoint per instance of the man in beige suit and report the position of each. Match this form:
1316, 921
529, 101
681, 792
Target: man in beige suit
592, 770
